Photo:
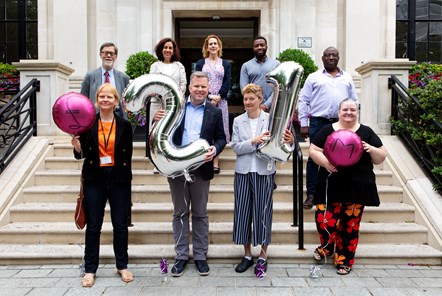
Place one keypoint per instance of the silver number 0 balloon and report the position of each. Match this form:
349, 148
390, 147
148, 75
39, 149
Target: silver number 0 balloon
285, 79
170, 160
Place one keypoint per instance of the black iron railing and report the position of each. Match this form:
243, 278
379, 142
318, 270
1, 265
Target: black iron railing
18, 121
298, 211
407, 111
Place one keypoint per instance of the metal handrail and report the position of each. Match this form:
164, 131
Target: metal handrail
18, 122
297, 175
400, 99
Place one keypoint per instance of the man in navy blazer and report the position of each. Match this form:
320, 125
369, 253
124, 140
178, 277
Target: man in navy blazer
95, 78
201, 120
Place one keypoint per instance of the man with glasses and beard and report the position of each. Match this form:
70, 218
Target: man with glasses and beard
106, 74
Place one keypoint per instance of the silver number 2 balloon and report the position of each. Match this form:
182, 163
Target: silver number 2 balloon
285, 79
170, 160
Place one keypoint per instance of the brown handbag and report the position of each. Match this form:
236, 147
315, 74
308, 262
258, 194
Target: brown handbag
80, 215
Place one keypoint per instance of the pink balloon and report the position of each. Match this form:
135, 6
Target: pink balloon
73, 113
343, 148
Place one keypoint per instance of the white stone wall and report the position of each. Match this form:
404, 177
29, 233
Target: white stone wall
70, 32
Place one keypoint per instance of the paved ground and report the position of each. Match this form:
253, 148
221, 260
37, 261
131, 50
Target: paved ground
281, 279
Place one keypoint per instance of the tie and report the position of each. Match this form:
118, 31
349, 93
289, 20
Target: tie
106, 79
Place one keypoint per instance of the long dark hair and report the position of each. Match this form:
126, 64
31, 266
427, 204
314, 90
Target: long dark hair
159, 50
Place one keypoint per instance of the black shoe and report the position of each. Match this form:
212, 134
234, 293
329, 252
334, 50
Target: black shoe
178, 267
308, 203
261, 266
202, 267
244, 265
274, 186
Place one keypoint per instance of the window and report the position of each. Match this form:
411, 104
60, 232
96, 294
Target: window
419, 30
18, 30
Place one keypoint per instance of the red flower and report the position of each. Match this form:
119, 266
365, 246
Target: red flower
327, 220
353, 225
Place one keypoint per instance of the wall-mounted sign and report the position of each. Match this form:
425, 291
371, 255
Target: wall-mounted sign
304, 42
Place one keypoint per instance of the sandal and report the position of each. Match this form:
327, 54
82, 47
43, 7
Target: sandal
88, 280
126, 275
343, 270
317, 255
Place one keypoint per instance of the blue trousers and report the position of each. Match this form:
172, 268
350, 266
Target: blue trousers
95, 196
316, 123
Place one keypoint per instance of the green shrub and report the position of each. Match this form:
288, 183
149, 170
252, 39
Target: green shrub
139, 63
302, 58
418, 122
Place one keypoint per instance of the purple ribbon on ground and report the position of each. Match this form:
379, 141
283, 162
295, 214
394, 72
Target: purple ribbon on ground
163, 265
260, 270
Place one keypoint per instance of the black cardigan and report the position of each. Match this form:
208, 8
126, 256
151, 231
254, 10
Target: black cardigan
122, 170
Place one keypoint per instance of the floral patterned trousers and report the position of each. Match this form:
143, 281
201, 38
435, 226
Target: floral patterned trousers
338, 228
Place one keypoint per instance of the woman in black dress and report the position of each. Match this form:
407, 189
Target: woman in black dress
343, 192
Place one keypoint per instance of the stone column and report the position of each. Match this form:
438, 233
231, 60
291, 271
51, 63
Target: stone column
54, 82
375, 97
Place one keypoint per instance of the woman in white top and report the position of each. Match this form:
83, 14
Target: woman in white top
253, 181
169, 64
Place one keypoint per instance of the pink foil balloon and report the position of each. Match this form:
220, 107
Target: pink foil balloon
343, 148
73, 113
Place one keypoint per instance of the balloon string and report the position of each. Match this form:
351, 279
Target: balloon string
325, 213
182, 223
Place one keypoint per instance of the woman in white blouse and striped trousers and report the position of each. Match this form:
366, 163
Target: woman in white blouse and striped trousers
253, 182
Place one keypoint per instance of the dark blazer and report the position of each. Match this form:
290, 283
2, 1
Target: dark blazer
93, 80
122, 170
212, 130
224, 90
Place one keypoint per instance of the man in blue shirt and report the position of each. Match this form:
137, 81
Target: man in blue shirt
201, 120
318, 106
256, 69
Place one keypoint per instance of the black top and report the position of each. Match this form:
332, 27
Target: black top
122, 170
353, 184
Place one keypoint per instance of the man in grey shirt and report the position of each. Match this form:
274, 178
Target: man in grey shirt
256, 69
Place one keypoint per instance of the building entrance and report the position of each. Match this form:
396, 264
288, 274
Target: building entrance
236, 35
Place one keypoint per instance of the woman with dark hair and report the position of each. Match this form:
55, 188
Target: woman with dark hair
169, 64
219, 71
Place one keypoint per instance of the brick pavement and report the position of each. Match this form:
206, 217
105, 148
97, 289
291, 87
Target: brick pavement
281, 280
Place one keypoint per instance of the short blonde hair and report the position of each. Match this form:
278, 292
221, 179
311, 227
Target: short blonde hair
205, 50
254, 89
112, 89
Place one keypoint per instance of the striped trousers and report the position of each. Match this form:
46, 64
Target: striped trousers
253, 208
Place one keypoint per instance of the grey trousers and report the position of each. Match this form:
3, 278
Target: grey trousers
193, 196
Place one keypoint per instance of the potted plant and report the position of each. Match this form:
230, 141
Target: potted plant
137, 65
304, 59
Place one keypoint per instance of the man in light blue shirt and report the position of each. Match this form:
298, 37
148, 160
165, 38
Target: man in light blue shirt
256, 69
201, 120
318, 106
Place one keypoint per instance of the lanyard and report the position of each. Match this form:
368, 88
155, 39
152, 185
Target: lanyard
106, 142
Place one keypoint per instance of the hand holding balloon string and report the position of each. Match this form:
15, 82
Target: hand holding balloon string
75, 141
210, 155
262, 138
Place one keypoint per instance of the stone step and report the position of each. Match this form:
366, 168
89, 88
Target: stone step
227, 164
378, 254
219, 233
63, 149
218, 212
147, 176
161, 193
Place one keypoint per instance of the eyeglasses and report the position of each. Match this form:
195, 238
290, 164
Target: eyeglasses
108, 53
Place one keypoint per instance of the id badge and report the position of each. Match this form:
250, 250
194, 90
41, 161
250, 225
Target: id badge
105, 159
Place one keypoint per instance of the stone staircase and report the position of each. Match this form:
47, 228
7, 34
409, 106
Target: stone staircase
41, 228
